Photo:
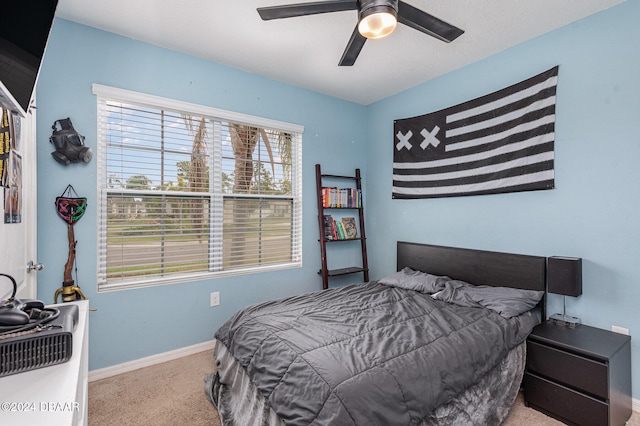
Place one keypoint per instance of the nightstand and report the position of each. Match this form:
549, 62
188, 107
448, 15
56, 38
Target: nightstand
579, 375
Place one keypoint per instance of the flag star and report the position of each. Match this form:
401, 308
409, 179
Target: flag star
430, 138
404, 140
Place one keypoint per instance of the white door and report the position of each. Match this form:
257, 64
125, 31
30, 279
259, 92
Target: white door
18, 240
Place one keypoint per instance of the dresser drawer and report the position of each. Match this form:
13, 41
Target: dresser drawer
563, 402
584, 374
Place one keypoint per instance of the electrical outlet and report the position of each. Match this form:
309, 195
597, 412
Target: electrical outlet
215, 298
620, 330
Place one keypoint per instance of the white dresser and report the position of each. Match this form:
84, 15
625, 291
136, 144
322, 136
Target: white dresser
55, 395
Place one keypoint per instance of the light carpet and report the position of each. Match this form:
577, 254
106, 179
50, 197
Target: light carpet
172, 393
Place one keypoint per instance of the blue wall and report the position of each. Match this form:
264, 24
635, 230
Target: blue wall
593, 211
590, 214
132, 324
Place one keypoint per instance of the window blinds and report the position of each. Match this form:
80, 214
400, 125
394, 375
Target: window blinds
186, 191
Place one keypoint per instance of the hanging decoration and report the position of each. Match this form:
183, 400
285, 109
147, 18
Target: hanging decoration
71, 208
501, 142
69, 144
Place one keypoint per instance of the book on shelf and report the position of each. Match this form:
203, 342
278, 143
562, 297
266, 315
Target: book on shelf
344, 229
350, 228
333, 197
340, 230
328, 227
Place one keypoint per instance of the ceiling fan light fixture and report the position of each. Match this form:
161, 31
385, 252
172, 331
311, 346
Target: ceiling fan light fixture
378, 18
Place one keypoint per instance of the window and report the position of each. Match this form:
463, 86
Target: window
189, 192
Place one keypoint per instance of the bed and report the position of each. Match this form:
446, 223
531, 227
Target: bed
439, 342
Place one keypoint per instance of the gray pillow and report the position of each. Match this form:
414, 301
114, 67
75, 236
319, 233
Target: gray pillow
409, 279
508, 302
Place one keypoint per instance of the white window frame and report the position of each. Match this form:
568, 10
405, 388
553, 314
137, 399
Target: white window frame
107, 93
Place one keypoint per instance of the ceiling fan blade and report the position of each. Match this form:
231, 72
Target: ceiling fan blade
428, 24
303, 9
353, 49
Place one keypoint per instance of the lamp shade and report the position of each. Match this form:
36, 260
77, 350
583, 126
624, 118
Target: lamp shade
564, 275
377, 18
377, 25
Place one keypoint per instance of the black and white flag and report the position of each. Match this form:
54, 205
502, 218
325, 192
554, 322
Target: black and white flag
501, 142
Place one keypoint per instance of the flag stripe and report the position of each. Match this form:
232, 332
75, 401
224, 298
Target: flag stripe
550, 82
546, 175
505, 149
519, 162
541, 104
523, 103
499, 142
460, 181
495, 160
548, 119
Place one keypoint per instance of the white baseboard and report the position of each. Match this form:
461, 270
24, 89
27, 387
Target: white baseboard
126, 367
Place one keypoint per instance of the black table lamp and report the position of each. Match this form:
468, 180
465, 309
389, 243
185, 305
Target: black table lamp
564, 276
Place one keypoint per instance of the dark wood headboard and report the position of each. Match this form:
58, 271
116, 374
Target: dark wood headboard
477, 267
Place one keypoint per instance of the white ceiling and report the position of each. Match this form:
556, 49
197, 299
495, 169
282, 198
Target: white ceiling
305, 51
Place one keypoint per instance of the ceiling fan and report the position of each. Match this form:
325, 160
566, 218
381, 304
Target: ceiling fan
376, 19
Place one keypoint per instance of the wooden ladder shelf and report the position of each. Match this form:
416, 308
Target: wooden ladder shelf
351, 199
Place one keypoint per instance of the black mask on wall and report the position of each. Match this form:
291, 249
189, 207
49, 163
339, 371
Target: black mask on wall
69, 143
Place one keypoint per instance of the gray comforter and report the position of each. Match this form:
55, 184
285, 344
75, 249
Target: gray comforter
367, 354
